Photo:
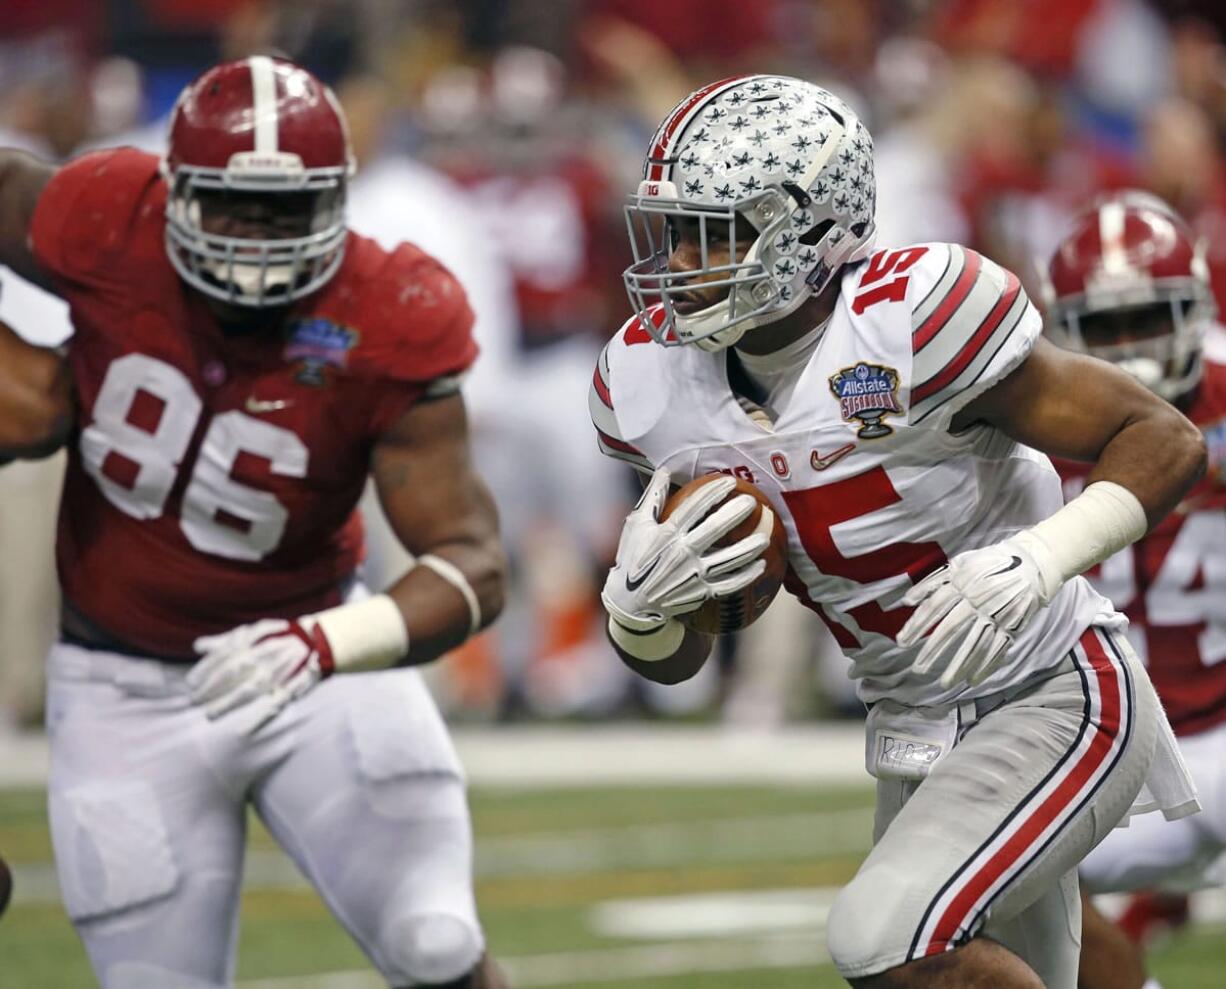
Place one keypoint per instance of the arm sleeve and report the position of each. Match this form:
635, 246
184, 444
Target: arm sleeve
604, 418
971, 326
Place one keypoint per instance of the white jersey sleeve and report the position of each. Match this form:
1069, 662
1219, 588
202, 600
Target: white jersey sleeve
609, 434
971, 325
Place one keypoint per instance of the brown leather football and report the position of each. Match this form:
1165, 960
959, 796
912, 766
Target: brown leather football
740, 610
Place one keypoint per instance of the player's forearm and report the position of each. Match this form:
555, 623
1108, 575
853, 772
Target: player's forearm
455, 590
1158, 456
36, 399
681, 664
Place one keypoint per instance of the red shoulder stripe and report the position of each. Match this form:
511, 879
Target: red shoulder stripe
601, 388
616, 444
949, 305
973, 345
659, 148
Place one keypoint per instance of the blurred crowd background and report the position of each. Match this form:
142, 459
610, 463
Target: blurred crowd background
504, 135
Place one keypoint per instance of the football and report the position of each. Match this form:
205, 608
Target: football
740, 610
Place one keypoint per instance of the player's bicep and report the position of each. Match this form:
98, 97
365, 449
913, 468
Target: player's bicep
22, 180
426, 482
1064, 404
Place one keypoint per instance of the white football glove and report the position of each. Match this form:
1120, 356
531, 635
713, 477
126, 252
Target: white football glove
668, 568
973, 607
274, 660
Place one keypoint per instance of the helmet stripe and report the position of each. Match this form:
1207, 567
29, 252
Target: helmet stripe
1111, 236
264, 96
664, 136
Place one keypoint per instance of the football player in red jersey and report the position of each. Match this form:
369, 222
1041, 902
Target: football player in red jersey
241, 362
1129, 284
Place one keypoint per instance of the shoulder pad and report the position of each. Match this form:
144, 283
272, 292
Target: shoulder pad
971, 325
630, 391
86, 214
604, 418
411, 314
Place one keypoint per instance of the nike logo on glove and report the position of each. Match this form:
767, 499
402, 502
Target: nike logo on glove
1016, 562
633, 583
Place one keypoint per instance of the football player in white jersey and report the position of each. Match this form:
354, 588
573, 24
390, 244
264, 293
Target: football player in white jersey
896, 407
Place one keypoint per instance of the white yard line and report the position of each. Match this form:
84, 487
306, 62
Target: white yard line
602, 755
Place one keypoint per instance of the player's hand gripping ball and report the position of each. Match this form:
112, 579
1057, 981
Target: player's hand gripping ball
741, 608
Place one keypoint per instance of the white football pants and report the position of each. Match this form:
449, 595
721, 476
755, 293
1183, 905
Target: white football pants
989, 842
357, 781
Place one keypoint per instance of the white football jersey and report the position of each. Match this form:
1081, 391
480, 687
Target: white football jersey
874, 489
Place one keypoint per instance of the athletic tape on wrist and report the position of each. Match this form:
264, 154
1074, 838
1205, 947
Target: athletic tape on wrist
455, 577
1098, 523
365, 635
650, 647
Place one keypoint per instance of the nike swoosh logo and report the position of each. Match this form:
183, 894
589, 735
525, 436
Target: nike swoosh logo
632, 584
1016, 561
258, 406
818, 462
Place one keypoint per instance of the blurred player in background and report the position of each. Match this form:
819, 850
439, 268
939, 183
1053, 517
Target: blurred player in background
527, 158
892, 404
241, 362
1129, 284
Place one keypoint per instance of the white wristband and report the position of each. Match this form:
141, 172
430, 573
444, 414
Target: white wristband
365, 635
455, 577
650, 647
1098, 523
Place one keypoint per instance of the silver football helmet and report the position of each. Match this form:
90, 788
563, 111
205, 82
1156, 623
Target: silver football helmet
778, 157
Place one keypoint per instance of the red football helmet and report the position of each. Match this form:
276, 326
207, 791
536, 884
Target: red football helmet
1129, 284
261, 144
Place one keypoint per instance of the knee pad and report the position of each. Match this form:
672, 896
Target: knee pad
867, 929
436, 950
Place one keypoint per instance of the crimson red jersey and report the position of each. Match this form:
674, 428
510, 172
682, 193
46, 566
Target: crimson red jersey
213, 478
1172, 583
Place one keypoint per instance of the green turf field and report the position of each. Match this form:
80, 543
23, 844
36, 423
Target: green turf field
613, 888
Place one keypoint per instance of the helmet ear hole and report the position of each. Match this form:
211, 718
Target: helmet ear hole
817, 233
